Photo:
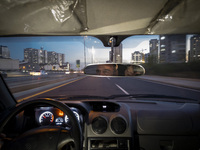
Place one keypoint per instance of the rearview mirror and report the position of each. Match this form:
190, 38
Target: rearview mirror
114, 70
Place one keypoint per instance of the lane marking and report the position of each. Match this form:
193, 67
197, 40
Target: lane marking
41, 88
20, 100
122, 89
31, 82
168, 84
108, 78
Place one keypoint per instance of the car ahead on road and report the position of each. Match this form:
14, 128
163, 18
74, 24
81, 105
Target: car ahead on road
110, 107
67, 72
38, 73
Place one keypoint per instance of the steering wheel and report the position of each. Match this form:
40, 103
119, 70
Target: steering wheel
47, 137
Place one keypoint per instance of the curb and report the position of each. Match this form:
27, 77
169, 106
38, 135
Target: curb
174, 84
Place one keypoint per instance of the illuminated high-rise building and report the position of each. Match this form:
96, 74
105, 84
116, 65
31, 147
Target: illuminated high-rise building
154, 53
4, 52
35, 56
194, 54
172, 48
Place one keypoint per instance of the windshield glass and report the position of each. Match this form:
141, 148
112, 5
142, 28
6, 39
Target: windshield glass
52, 66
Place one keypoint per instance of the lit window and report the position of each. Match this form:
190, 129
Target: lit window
162, 46
173, 51
162, 37
162, 50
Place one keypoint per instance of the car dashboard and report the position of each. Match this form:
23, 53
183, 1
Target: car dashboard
125, 124
53, 116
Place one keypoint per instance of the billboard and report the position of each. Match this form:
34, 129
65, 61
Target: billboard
77, 63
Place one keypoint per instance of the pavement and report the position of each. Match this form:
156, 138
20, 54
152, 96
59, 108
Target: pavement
181, 82
108, 86
17, 74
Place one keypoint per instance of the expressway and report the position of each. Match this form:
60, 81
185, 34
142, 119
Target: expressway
18, 84
106, 86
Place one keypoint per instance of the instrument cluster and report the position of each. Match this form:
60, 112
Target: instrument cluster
54, 116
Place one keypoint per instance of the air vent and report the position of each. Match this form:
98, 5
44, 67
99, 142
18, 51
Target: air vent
99, 125
118, 125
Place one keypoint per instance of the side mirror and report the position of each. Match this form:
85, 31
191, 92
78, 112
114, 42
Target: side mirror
114, 70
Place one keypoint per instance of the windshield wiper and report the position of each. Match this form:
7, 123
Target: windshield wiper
76, 97
132, 96
151, 96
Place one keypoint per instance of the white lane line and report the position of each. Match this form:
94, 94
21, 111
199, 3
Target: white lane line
108, 78
122, 89
168, 84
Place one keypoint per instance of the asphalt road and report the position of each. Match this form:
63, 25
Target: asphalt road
106, 86
20, 81
18, 84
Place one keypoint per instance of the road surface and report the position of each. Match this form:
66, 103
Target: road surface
106, 86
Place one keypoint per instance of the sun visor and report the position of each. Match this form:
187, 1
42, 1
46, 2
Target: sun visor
42, 17
178, 17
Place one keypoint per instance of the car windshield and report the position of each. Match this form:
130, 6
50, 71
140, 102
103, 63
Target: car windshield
52, 66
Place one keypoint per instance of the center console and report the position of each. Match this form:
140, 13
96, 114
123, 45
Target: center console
109, 143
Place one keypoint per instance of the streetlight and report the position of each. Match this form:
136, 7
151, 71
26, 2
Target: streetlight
93, 52
84, 51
